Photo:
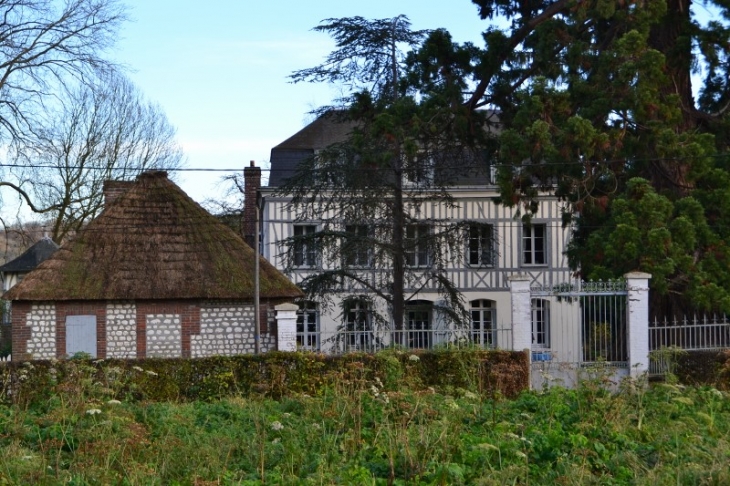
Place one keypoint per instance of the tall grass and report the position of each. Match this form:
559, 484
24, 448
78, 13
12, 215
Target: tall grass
356, 432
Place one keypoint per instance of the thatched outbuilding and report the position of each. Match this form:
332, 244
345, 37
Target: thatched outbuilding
154, 274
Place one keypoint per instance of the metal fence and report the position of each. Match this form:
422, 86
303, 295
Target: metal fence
700, 332
342, 341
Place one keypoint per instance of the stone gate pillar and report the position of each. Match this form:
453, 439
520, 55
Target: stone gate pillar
637, 322
286, 327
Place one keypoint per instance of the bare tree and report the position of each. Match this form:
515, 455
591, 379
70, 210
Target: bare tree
44, 44
98, 132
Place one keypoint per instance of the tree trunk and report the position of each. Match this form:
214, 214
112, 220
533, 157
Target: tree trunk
399, 251
672, 37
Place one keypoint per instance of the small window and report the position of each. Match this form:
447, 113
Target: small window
481, 245
534, 244
358, 326
419, 170
356, 246
308, 326
540, 324
416, 245
482, 323
305, 254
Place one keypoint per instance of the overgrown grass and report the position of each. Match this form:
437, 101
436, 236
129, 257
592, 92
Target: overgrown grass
357, 432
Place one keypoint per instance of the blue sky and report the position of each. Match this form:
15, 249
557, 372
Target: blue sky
220, 71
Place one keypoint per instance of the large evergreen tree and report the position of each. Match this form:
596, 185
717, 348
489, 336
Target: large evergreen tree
405, 148
597, 93
621, 108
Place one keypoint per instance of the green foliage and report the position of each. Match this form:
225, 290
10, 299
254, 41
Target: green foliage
274, 374
355, 434
673, 241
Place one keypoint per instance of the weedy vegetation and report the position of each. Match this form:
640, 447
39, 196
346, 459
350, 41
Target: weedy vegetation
359, 428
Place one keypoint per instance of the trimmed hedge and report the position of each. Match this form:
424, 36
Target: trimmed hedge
273, 374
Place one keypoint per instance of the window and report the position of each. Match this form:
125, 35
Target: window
416, 245
534, 245
482, 323
418, 320
308, 326
356, 246
540, 323
305, 254
419, 170
358, 326
481, 245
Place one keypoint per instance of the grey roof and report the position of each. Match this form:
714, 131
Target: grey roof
32, 257
327, 129
334, 127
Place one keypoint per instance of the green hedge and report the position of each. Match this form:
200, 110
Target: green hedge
273, 374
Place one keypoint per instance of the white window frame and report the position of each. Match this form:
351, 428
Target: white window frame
358, 326
417, 253
419, 325
482, 246
308, 331
305, 253
533, 244
361, 254
540, 312
483, 313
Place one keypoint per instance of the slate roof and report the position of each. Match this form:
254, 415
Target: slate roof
327, 129
32, 257
153, 242
333, 127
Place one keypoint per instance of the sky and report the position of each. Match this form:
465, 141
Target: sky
220, 71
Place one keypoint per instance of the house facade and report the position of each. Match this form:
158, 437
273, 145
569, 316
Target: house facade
154, 275
497, 247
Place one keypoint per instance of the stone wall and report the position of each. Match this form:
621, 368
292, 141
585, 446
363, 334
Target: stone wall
42, 322
227, 330
121, 330
164, 336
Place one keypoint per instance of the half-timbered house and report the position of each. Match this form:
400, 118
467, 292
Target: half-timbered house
497, 247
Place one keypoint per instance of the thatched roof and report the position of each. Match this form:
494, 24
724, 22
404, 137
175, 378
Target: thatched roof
153, 242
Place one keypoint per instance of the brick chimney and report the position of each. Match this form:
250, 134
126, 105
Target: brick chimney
114, 189
251, 186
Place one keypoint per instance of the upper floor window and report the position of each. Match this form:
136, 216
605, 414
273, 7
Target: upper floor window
308, 326
534, 244
481, 245
419, 170
416, 245
305, 249
356, 247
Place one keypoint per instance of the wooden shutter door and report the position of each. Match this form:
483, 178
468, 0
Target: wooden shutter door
81, 335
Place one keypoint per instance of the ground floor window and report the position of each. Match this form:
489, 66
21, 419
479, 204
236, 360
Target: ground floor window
358, 332
308, 326
418, 322
482, 322
540, 324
